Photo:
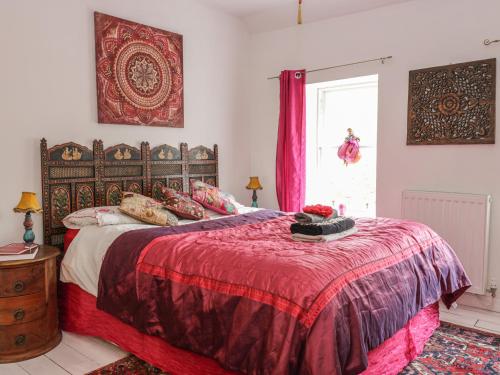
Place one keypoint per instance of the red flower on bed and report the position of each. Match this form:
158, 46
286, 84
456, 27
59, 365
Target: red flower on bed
319, 209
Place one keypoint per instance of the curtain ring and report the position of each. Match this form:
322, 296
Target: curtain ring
298, 75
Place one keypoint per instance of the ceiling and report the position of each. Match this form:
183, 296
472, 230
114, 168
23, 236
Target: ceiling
244, 8
265, 15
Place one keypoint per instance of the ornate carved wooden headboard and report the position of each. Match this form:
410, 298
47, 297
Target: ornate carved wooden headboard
76, 177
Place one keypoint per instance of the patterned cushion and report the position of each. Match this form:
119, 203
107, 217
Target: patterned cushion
182, 205
147, 210
232, 199
212, 198
108, 215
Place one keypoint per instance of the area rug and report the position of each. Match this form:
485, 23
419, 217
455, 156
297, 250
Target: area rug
456, 350
451, 350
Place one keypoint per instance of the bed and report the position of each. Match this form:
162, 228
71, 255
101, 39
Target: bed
235, 293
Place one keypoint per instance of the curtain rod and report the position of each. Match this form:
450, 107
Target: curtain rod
381, 59
487, 42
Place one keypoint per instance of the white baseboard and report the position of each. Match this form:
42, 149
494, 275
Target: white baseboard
486, 302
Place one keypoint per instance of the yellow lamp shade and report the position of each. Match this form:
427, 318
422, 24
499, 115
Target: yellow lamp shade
28, 203
254, 184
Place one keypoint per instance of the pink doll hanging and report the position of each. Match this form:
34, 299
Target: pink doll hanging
349, 150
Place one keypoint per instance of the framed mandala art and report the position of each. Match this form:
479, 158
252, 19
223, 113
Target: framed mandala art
453, 104
139, 72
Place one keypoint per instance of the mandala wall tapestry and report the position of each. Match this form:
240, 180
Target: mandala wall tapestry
453, 104
139, 74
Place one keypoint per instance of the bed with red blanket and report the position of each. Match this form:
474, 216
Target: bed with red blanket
237, 294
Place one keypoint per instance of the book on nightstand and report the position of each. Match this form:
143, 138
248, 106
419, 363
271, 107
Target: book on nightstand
18, 251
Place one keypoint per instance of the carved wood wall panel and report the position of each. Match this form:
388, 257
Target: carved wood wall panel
453, 104
75, 177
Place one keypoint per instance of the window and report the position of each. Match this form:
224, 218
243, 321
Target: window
332, 108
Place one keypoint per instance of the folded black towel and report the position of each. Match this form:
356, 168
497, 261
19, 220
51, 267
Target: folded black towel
304, 218
330, 226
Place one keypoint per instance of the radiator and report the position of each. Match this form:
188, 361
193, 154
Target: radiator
462, 220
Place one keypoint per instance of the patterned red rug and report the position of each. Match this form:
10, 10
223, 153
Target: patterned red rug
456, 350
451, 350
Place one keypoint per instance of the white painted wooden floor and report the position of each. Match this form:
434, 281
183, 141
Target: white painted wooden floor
482, 320
78, 355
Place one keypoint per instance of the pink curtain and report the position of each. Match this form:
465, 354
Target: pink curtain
291, 149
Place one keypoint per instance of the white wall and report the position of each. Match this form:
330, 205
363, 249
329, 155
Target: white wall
418, 34
47, 88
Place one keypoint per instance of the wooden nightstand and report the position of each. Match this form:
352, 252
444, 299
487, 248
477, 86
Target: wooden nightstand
28, 306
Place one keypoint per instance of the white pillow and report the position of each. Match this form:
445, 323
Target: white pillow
233, 200
108, 215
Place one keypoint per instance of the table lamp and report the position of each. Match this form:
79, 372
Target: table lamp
28, 204
254, 185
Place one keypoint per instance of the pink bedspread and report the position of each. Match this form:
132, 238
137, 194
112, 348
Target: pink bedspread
241, 291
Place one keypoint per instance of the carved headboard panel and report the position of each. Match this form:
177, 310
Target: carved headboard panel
76, 177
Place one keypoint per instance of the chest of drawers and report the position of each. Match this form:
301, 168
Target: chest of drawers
29, 323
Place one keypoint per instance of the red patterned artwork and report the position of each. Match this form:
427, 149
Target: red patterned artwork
139, 74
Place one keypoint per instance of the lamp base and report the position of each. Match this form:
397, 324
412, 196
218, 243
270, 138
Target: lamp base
29, 235
254, 199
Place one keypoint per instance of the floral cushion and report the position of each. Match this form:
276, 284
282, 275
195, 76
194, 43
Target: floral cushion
182, 205
108, 215
147, 210
212, 198
232, 199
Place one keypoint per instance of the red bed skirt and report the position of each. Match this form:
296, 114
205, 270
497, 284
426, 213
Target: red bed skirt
80, 315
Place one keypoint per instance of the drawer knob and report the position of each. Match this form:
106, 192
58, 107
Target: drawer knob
18, 286
19, 314
20, 340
